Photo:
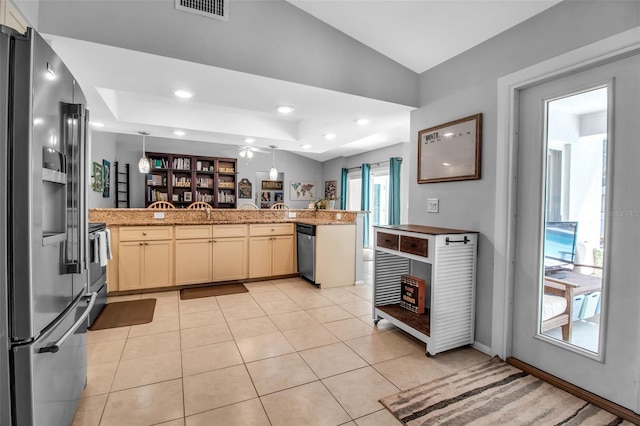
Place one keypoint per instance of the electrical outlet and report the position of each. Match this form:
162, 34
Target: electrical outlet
433, 204
338, 216
292, 214
159, 215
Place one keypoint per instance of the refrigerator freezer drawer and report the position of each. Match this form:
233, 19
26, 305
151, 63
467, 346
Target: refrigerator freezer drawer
48, 385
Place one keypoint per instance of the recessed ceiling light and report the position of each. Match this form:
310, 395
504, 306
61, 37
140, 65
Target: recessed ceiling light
97, 124
285, 109
446, 164
330, 136
306, 146
183, 94
179, 133
363, 121
249, 140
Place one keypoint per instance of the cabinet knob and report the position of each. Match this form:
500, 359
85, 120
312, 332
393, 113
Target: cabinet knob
272, 230
210, 241
141, 244
146, 244
144, 233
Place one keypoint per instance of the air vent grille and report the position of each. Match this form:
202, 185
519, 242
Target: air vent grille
217, 9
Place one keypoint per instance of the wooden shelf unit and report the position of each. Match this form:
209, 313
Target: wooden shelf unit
446, 260
182, 179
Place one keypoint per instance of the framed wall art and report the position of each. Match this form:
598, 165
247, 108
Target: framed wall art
330, 189
96, 178
302, 191
106, 178
244, 188
450, 151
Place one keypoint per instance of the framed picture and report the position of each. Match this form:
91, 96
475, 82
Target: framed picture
302, 191
96, 179
106, 178
244, 188
272, 185
450, 151
278, 197
265, 197
187, 196
330, 189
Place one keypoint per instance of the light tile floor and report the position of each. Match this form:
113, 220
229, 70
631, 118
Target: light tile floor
285, 353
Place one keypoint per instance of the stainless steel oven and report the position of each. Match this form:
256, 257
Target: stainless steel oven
97, 273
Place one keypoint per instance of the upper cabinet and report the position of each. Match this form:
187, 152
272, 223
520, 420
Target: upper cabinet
183, 179
11, 17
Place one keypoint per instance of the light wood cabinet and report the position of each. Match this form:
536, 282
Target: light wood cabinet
162, 256
145, 257
271, 250
230, 252
11, 17
194, 254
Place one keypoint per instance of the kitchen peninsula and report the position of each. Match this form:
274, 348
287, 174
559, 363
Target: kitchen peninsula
161, 249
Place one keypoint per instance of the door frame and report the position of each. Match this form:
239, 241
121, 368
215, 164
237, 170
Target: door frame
599, 53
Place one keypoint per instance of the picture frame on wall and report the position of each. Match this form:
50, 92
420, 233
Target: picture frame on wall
244, 188
330, 189
96, 179
106, 178
450, 151
302, 191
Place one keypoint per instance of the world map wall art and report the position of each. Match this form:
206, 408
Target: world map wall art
302, 191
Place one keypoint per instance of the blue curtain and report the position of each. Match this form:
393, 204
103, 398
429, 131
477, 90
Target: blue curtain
394, 190
364, 203
343, 189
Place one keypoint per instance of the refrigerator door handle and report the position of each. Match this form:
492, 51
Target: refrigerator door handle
74, 116
83, 318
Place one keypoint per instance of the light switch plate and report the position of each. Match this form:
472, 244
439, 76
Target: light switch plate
338, 216
433, 204
292, 214
158, 215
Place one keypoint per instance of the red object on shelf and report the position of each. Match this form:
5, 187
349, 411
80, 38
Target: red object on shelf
413, 294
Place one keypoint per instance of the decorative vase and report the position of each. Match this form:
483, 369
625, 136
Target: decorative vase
331, 204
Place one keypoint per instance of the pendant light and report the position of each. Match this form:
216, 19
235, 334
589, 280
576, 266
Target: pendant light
273, 173
144, 165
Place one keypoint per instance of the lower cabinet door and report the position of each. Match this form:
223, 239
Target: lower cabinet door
283, 255
193, 261
158, 264
130, 269
229, 259
260, 253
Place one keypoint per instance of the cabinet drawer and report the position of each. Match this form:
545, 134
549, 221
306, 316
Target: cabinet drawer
413, 245
222, 231
261, 229
146, 233
389, 241
190, 232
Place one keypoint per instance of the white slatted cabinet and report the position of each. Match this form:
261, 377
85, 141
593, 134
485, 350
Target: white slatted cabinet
446, 260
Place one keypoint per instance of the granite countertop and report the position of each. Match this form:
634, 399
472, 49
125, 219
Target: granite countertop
147, 217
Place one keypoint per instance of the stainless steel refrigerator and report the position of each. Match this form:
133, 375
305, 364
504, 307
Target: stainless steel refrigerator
43, 234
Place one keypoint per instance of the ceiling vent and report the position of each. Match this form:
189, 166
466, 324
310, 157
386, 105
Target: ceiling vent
217, 9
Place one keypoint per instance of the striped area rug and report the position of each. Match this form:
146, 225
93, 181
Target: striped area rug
494, 393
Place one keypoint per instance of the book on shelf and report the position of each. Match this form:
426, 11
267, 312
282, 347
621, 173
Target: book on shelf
159, 163
413, 294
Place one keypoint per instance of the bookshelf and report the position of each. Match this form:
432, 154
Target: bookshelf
182, 179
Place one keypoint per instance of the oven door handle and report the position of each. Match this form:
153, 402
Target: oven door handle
56, 346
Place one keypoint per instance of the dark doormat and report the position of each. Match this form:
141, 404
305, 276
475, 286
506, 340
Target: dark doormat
212, 290
122, 314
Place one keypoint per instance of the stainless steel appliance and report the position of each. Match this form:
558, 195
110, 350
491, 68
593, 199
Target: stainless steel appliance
97, 272
43, 240
306, 239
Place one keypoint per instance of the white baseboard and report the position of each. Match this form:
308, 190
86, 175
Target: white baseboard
482, 348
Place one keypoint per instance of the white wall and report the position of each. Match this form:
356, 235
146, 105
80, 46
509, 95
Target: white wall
295, 167
102, 146
269, 38
466, 85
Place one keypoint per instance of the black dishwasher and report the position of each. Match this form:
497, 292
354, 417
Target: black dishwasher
306, 235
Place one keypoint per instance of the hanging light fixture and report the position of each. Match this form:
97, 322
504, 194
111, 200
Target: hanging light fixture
144, 165
246, 152
273, 173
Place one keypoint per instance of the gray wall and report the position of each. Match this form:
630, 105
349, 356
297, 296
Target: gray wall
295, 167
102, 147
466, 85
269, 38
